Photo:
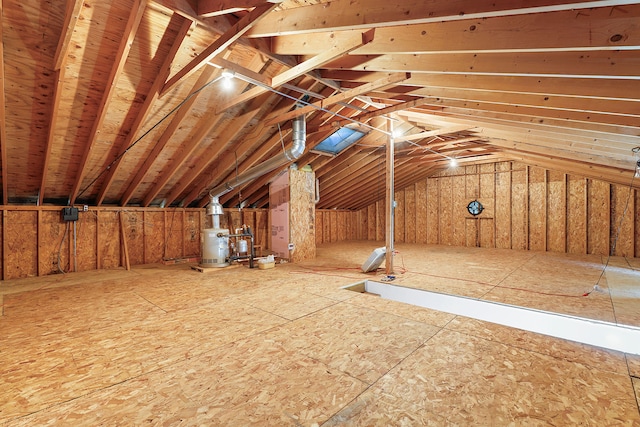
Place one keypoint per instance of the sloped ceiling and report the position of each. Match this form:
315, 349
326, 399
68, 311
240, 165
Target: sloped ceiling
124, 102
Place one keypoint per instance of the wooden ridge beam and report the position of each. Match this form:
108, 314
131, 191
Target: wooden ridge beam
111, 83
141, 116
328, 55
595, 28
340, 97
223, 42
341, 15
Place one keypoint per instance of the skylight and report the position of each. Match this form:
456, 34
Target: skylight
338, 141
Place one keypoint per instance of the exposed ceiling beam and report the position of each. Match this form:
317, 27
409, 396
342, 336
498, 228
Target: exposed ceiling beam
176, 121
111, 82
72, 12
340, 15
144, 111
587, 29
209, 8
310, 64
223, 42
364, 117
227, 161
229, 133
614, 89
340, 97
3, 117
187, 146
594, 65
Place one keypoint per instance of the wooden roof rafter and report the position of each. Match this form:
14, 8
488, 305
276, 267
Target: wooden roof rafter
3, 126
111, 82
338, 15
228, 160
210, 8
534, 32
219, 45
145, 110
189, 146
336, 51
72, 12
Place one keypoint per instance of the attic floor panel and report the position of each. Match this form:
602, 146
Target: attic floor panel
166, 345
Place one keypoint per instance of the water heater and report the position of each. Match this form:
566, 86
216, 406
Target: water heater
215, 247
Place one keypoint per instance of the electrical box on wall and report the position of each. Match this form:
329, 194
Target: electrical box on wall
69, 214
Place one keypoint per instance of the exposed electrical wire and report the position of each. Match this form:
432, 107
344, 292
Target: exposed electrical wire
133, 144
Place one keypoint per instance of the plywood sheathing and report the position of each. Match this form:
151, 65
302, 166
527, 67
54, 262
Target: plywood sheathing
302, 215
287, 346
525, 207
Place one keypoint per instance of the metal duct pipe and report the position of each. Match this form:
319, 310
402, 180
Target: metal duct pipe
290, 155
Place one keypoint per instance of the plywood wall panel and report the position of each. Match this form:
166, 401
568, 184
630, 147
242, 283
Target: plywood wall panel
598, 217
342, 225
153, 236
410, 214
446, 210
502, 212
174, 233
372, 221
556, 212
622, 220
487, 232
537, 209
472, 182
54, 238
381, 215
398, 217
191, 234
109, 239
319, 226
421, 211
526, 207
263, 233
134, 232
333, 226
459, 210
302, 213
21, 244
519, 208
577, 215
326, 227
86, 241
433, 212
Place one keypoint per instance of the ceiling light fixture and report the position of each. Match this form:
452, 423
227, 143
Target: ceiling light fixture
453, 162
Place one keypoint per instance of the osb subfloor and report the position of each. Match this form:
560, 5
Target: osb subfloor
166, 345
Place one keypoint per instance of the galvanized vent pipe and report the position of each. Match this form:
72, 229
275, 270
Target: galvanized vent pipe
290, 155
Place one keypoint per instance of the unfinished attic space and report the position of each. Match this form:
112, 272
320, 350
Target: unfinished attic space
319, 213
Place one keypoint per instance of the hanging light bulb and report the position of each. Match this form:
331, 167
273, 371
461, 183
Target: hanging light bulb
453, 162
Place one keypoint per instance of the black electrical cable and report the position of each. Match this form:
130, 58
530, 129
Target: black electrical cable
121, 155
